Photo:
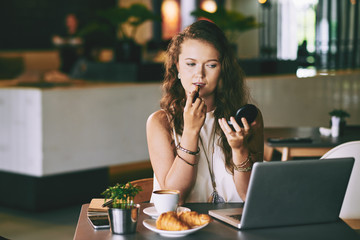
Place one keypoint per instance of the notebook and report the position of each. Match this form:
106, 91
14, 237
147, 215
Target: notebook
96, 208
291, 193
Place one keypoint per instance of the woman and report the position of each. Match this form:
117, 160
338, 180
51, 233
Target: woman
192, 148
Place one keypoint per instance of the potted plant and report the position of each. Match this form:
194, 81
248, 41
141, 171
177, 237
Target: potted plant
96, 34
118, 26
231, 22
338, 118
126, 21
122, 211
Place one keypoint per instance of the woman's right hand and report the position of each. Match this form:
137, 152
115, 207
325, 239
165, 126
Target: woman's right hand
194, 113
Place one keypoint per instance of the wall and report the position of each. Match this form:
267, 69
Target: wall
291, 101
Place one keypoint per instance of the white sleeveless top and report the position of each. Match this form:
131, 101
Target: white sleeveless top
202, 189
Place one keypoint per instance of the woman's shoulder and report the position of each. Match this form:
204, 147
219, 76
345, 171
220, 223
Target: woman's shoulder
158, 118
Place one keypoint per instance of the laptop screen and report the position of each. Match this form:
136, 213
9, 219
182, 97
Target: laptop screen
294, 193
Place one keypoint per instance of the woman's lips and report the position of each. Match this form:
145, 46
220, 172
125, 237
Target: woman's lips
199, 84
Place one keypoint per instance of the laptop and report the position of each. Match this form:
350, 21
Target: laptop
294, 192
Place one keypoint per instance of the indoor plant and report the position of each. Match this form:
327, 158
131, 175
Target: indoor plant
126, 21
231, 22
122, 211
120, 25
339, 113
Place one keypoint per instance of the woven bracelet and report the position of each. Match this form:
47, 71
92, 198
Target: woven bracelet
239, 169
248, 159
187, 151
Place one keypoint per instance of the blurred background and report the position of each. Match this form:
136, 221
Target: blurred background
78, 80
269, 36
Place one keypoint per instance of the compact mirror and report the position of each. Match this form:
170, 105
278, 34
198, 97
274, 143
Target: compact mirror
249, 111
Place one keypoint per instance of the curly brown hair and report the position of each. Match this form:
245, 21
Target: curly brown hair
230, 94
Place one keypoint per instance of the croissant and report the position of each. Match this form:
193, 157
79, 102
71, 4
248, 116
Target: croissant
169, 221
193, 218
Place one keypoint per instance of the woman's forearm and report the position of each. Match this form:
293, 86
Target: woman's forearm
182, 174
242, 171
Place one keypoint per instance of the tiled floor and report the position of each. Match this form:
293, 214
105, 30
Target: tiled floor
58, 224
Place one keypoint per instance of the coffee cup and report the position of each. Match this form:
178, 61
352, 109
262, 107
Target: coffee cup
166, 200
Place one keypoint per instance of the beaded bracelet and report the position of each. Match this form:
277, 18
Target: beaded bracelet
241, 167
242, 164
191, 164
188, 151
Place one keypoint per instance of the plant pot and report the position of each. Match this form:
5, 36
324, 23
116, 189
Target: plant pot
128, 51
342, 126
123, 221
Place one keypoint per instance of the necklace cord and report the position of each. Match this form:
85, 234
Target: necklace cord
211, 172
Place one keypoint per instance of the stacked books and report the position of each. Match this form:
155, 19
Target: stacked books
96, 207
97, 214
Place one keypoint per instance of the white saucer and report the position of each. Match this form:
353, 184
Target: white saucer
151, 211
151, 225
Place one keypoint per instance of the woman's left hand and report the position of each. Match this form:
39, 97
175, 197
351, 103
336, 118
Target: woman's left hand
239, 138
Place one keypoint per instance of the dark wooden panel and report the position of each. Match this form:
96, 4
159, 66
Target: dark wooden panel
51, 192
28, 24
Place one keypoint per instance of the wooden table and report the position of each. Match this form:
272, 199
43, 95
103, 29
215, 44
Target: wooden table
218, 230
318, 147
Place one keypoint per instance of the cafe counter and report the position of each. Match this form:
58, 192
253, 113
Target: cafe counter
66, 137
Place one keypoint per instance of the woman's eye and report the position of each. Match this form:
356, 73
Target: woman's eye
190, 64
212, 65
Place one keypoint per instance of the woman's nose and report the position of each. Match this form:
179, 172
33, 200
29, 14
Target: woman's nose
200, 71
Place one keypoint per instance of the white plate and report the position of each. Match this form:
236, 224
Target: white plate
151, 211
151, 225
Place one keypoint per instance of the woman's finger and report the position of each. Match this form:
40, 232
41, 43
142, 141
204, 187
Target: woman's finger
225, 126
246, 124
189, 99
236, 126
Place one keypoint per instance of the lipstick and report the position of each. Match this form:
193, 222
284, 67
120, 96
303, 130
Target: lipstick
196, 93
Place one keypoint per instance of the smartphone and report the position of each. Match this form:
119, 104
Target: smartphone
248, 111
99, 221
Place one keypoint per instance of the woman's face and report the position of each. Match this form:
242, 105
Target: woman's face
199, 64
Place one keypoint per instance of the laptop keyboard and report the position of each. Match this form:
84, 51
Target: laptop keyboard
237, 216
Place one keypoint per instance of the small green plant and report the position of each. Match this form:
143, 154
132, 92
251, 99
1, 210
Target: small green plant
122, 195
133, 16
339, 113
231, 22
116, 23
